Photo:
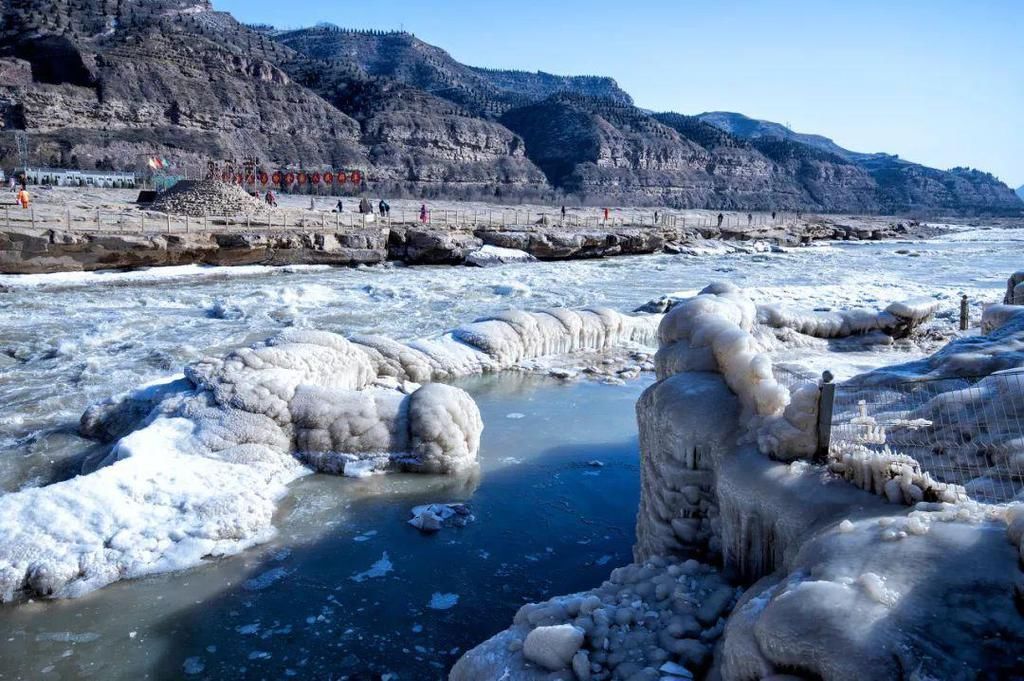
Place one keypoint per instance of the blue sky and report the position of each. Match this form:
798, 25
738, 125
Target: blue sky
936, 81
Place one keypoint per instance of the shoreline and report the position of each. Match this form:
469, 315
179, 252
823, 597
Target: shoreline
24, 250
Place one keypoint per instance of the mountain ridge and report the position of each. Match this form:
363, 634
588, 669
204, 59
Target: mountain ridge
107, 85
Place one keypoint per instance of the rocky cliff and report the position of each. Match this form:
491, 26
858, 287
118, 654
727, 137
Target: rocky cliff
99, 84
402, 56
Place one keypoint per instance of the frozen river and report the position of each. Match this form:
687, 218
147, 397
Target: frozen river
546, 522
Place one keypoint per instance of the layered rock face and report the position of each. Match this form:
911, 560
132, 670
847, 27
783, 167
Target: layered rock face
403, 57
164, 77
421, 144
181, 80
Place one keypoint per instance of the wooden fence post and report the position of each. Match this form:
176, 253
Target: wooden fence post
826, 401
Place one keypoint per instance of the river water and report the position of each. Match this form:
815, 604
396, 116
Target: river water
346, 587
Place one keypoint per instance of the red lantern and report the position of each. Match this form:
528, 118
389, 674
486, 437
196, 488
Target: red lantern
302, 178
250, 179
277, 178
290, 179
264, 178
328, 177
357, 177
226, 177
238, 178
341, 178
315, 179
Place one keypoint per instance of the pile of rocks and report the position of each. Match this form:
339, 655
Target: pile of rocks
197, 198
654, 621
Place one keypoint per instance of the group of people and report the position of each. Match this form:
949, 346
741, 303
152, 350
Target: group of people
365, 207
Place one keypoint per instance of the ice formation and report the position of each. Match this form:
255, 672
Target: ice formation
844, 584
199, 462
1014, 289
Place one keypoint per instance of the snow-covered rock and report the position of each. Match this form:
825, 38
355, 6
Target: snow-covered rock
553, 647
489, 256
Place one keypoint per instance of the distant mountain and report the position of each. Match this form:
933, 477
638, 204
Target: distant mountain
902, 186
105, 84
1020, 191
751, 128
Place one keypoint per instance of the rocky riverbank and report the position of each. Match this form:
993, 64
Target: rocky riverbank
24, 250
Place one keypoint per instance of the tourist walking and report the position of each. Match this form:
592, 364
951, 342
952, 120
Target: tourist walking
364, 206
750, 219
720, 219
424, 214
387, 209
563, 213
606, 215
271, 199
340, 208
381, 207
23, 198
312, 203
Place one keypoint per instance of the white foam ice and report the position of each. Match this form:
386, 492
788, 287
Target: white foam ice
145, 275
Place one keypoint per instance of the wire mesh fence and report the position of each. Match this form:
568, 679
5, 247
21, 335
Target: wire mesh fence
966, 431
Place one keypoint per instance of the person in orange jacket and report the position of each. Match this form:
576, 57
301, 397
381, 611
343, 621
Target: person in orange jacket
23, 198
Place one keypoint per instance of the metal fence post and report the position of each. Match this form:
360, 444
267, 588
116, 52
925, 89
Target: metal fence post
965, 314
825, 404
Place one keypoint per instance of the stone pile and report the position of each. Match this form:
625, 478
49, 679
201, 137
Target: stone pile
654, 621
197, 198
